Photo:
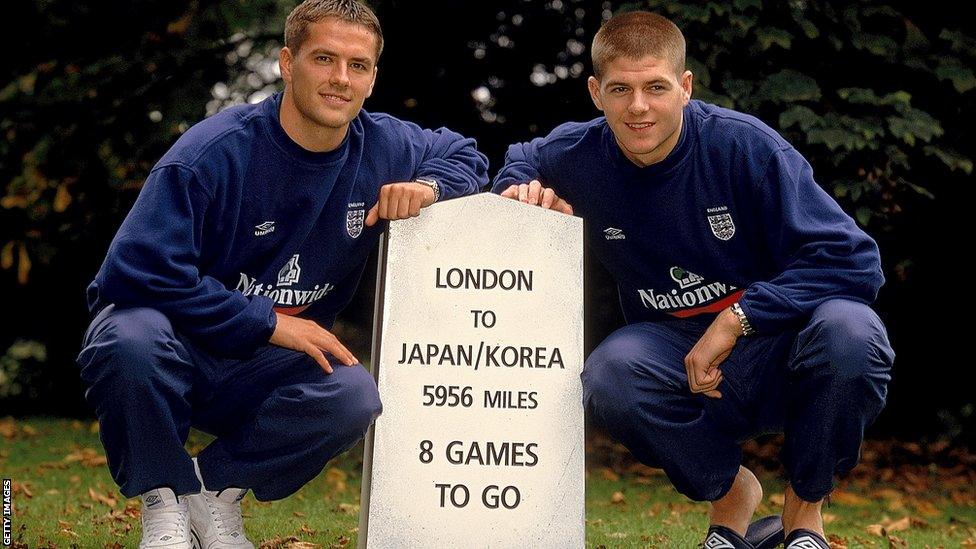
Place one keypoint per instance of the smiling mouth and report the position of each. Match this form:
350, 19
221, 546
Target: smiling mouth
640, 125
332, 98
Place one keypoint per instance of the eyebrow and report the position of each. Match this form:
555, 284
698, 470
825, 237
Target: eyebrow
613, 83
363, 60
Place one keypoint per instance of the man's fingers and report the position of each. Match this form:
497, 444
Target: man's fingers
319, 357
523, 193
701, 379
710, 383
562, 206
511, 192
416, 203
535, 192
402, 206
704, 387
338, 350
373, 215
383, 204
548, 197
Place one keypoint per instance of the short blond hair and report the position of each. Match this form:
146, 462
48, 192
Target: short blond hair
313, 11
636, 34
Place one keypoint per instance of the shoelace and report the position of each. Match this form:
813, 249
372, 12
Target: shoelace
227, 516
169, 521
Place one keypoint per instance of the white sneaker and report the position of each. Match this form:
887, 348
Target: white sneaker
165, 521
215, 518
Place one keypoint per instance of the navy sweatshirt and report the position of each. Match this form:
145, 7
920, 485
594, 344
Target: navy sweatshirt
238, 221
732, 214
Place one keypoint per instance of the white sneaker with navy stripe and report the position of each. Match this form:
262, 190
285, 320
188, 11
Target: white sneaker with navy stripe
165, 521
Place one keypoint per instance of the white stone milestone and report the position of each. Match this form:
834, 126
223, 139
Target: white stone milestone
480, 443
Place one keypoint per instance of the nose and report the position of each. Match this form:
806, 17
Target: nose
339, 76
639, 105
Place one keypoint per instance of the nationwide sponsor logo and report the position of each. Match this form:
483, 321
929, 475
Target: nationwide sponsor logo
693, 296
287, 301
290, 273
355, 214
685, 279
721, 222
613, 233
264, 228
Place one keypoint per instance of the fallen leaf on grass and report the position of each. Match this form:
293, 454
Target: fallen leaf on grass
88, 457
848, 498
926, 508
607, 473
291, 542
21, 488
101, 498
618, 498
336, 479
133, 508
895, 541
836, 542
899, 525
65, 528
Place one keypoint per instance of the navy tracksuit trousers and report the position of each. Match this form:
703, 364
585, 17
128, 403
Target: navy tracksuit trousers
821, 387
277, 416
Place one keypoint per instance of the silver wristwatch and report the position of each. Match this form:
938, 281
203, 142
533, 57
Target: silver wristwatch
433, 186
740, 315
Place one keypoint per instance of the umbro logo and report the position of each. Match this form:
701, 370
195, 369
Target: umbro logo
715, 541
612, 233
805, 542
152, 500
264, 228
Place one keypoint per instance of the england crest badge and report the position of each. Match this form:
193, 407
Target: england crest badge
722, 226
354, 222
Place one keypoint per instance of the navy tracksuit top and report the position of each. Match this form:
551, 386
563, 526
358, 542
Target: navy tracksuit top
732, 214
237, 221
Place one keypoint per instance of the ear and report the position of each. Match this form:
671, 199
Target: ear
687, 83
594, 86
376, 71
284, 63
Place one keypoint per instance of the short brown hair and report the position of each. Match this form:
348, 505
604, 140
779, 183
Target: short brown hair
313, 11
636, 34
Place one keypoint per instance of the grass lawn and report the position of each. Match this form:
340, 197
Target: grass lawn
64, 497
